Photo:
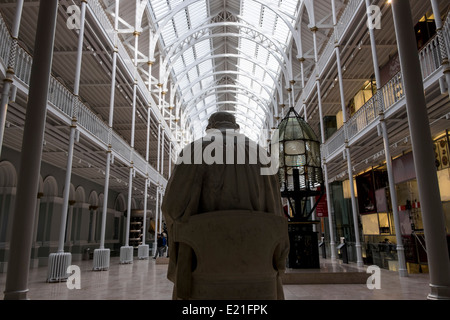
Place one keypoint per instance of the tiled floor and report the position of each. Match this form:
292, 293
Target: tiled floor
146, 280
392, 287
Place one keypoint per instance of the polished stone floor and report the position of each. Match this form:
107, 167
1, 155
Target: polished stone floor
146, 280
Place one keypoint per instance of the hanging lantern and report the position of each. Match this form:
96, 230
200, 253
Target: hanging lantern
300, 170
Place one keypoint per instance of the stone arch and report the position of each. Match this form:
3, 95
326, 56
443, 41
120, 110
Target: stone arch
72, 192
40, 186
8, 174
133, 204
140, 204
94, 198
50, 186
80, 195
8, 183
101, 199
120, 203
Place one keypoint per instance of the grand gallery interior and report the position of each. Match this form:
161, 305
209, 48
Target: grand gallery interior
99, 97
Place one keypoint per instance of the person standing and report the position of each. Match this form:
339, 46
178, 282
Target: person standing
160, 246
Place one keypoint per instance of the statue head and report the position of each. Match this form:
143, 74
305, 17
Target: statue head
222, 120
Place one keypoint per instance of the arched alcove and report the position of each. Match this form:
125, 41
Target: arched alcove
8, 183
72, 193
94, 198
101, 199
80, 195
50, 187
8, 174
120, 203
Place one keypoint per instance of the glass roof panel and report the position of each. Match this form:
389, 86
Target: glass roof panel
180, 22
168, 33
193, 74
205, 67
209, 99
196, 88
203, 48
247, 47
251, 12
178, 66
197, 13
268, 20
160, 8
257, 65
247, 82
207, 82
188, 56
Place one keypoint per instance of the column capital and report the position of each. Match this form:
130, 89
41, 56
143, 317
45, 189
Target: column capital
8, 79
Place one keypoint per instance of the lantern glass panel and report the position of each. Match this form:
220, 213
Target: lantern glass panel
295, 161
294, 147
299, 149
292, 131
301, 170
314, 153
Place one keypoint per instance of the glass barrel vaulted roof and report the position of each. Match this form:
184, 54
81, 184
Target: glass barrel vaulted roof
226, 55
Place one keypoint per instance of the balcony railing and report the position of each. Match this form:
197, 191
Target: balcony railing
392, 91
71, 107
341, 27
105, 23
362, 118
430, 57
5, 41
108, 27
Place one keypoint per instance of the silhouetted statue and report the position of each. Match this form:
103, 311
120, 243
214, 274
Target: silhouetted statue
227, 231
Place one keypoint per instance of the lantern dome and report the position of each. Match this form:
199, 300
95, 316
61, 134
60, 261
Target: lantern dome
300, 166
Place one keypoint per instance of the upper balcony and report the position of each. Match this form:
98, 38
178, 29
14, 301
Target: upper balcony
95, 136
361, 132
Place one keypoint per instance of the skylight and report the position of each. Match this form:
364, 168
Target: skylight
257, 68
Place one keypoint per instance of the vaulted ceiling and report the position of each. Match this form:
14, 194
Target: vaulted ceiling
236, 55
195, 57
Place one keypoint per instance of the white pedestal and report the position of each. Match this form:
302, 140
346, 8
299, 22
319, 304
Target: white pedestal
126, 254
101, 259
57, 266
143, 251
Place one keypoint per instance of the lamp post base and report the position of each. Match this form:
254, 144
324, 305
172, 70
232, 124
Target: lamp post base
304, 246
